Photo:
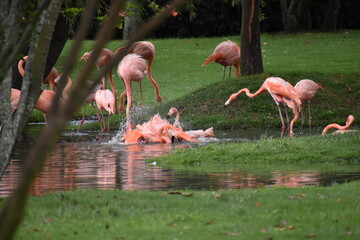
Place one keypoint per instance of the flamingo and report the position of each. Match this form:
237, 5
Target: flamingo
50, 79
280, 91
105, 100
45, 100
192, 133
226, 53
156, 130
131, 68
341, 129
147, 51
104, 58
67, 88
306, 90
89, 99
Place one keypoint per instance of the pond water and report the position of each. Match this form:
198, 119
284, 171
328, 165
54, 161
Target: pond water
80, 162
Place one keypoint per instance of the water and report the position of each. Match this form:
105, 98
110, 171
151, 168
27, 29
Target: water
80, 162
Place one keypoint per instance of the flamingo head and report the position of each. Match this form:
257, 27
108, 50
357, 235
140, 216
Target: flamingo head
171, 112
350, 120
85, 57
231, 98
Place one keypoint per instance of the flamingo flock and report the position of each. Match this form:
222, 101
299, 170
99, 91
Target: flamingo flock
137, 64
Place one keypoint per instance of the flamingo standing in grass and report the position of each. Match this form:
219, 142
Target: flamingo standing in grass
341, 129
226, 53
192, 133
105, 100
147, 51
306, 90
131, 68
282, 92
104, 58
50, 79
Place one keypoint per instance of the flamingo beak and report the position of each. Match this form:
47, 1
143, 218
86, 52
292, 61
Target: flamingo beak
167, 116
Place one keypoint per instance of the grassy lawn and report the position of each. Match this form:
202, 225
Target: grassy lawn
265, 213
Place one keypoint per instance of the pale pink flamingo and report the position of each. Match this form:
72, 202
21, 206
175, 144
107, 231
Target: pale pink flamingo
226, 53
192, 133
306, 90
105, 100
89, 99
341, 129
50, 79
280, 91
67, 88
104, 58
147, 51
131, 68
15, 99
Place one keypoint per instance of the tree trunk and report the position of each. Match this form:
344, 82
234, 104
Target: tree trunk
329, 24
250, 57
296, 16
133, 21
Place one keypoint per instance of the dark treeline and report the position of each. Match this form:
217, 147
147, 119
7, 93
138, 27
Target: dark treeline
220, 18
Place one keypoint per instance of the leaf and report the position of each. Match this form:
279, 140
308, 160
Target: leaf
230, 233
311, 235
178, 193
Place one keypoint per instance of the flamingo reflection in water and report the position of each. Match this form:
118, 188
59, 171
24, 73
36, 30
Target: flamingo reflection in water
138, 175
295, 179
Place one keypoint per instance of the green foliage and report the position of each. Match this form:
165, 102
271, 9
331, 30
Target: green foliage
270, 152
264, 213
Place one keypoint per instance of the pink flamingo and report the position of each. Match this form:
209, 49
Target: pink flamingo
192, 133
306, 90
105, 57
45, 100
89, 99
280, 91
147, 51
226, 53
131, 68
105, 100
50, 79
341, 129
156, 130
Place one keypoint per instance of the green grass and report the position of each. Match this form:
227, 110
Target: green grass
264, 213
332, 59
267, 154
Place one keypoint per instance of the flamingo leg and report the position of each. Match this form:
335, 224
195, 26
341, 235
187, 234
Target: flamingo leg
129, 99
224, 72
113, 89
302, 121
286, 114
153, 82
141, 100
282, 120
296, 116
229, 72
309, 116
82, 119
122, 101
